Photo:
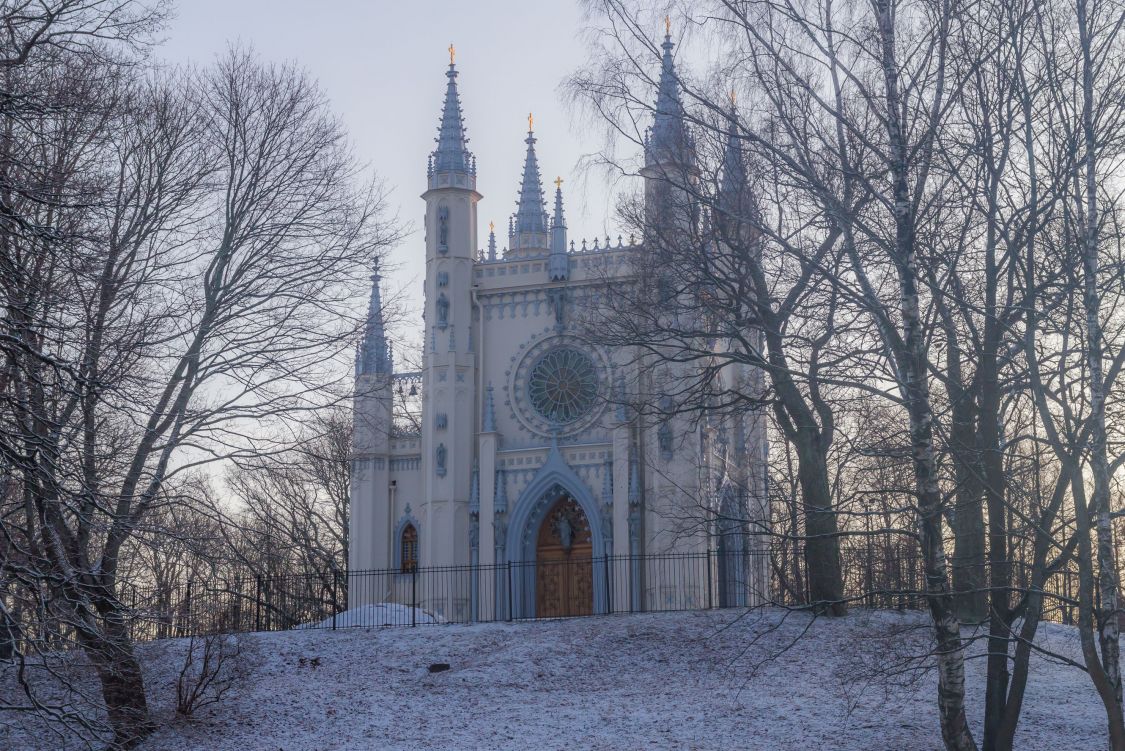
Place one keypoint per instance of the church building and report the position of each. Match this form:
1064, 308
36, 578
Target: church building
512, 456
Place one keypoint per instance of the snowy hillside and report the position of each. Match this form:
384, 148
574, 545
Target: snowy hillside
671, 681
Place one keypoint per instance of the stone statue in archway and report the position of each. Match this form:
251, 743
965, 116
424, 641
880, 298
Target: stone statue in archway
565, 530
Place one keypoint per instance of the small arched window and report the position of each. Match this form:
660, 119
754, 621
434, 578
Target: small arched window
408, 549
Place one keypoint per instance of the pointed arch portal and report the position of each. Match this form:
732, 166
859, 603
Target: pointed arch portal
564, 581
557, 510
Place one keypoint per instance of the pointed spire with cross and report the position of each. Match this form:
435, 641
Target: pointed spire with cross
670, 141
530, 226
373, 356
558, 265
452, 153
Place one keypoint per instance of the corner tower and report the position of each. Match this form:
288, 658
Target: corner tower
371, 429
449, 372
670, 170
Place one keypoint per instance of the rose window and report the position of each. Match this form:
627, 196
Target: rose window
562, 386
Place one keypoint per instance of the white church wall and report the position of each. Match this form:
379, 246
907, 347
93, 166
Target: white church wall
489, 323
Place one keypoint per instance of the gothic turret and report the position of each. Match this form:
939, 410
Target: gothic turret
451, 162
669, 141
671, 209
735, 208
558, 266
529, 228
372, 422
373, 357
449, 409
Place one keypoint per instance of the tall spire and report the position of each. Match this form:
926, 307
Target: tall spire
474, 489
736, 206
734, 165
558, 220
491, 241
374, 354
669, 142
452, 153
530, 226
558, 265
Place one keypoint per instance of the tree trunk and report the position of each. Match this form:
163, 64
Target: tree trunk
911, 356
970, 595
822, 541
1106, 616
111, 651
990, 442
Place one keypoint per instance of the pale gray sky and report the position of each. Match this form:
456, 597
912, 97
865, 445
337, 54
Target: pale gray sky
382, 65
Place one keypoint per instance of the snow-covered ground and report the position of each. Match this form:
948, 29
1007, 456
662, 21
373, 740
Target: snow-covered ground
700, 680
378, 614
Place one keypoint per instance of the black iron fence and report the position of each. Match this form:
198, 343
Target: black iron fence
532, 590
894, 578
454, 594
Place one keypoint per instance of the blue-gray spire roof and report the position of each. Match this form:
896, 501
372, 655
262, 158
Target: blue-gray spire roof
474, 489
558, 220
734, 176
736, 204
558, 266
669, 142
531, 209
452, 153
374, 354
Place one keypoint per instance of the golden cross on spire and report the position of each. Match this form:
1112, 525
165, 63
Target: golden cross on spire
668, 25
491, 227
530, 122
558, 183
452, 53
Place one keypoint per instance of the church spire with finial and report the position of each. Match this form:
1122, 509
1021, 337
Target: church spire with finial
669, 142
452, 154
374, 353
530, 226
558, 265
491, 241
735, 205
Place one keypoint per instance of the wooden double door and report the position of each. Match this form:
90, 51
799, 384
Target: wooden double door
564, 573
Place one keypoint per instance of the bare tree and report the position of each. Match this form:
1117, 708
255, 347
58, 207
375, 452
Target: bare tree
202, 291
213, 664
293, 518
726, 284
856, 96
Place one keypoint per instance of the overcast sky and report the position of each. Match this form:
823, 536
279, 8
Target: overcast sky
382, 65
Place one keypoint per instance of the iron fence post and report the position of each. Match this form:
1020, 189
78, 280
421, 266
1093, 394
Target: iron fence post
258, 602
608, 587
414, 596
335, 580
710, 599
630, 587
509, 590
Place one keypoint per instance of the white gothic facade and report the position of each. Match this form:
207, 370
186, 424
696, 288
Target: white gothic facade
523, 455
